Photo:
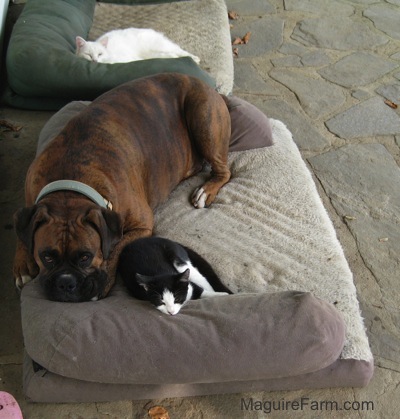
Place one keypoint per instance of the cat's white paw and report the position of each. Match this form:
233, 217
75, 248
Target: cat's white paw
195, 58
211, 294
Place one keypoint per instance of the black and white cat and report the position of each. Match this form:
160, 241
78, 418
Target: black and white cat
130, 44
167, 274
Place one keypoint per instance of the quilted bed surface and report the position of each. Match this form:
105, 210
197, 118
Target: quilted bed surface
268, 231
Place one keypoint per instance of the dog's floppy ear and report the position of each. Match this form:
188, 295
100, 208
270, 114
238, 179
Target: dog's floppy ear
27, 221
109, 226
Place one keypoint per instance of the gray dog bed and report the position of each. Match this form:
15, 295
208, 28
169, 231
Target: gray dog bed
294, 321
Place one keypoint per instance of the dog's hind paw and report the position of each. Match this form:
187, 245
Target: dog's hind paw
199, 198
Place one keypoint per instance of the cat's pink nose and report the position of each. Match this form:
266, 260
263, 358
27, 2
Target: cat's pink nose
172, 312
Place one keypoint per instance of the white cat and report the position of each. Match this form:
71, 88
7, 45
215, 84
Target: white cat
131, 44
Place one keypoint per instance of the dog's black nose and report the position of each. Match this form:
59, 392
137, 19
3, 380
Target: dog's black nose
66, 283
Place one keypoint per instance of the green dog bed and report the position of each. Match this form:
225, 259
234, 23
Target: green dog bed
43, 71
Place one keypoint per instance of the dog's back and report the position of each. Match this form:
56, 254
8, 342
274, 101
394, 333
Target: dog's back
141, 129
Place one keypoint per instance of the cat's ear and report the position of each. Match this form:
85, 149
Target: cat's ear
80, 42
104, 41
144, 281
185, 276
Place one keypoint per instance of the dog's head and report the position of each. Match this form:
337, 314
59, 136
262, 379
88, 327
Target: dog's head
71, 247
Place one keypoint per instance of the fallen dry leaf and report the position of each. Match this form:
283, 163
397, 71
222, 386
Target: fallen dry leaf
391, 104
8, 126
158, 412
241, 41
233, 15
246, 38
237, 41
236, 52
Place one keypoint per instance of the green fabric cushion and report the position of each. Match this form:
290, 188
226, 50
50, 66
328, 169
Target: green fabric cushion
43, 71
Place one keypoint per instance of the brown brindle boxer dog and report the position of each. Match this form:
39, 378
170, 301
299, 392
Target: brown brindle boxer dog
130, 147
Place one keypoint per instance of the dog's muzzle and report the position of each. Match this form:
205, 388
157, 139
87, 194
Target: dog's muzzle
73, 286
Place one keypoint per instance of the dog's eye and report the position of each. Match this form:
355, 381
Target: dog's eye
85, 259
48, 259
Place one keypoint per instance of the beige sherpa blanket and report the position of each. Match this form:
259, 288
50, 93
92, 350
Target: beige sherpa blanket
187, 23
268, 231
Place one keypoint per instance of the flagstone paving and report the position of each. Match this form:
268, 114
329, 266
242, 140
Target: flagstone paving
346, 72
371, 117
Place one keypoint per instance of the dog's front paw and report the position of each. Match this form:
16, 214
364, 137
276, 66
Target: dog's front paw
24, 274
21, 281
24, 270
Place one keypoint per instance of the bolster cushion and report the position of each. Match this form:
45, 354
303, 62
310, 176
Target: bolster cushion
123, 340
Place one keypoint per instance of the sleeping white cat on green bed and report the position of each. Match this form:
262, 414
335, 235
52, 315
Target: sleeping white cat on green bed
131, 44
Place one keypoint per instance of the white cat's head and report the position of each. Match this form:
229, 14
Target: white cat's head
92, 51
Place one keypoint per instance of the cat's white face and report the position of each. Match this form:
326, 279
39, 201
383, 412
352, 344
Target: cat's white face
169, 306
91, 51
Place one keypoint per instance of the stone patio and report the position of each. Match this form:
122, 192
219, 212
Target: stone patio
324, 68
